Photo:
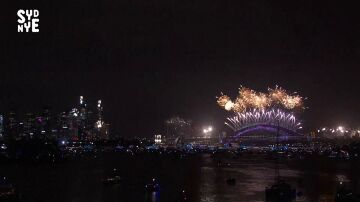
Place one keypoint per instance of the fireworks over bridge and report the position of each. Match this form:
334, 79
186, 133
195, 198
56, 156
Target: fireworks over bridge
254, 112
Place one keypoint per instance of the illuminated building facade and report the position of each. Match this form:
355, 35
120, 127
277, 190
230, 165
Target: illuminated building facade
79, 123
12, 126
28, 126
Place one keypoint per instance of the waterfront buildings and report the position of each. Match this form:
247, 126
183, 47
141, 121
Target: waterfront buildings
79, 123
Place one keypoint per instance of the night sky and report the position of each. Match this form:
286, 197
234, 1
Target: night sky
149, 60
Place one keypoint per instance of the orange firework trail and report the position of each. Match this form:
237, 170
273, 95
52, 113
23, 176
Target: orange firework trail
249, 99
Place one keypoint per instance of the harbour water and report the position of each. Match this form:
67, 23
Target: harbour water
198, 177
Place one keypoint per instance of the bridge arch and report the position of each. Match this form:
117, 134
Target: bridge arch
268, 132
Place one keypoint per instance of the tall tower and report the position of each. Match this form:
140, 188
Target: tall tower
100, 110
82, 108
81, 100
1, 127
81, 119
99, 122
101, 127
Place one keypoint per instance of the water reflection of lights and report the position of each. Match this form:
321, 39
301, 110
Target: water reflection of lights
155, 196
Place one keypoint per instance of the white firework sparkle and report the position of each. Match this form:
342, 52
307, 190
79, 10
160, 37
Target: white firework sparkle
273, 117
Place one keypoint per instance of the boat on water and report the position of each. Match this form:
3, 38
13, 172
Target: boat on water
280, 191
345, 194
112, 179
153, 186
7, 191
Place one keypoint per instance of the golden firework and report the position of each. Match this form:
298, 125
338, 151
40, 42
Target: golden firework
277, 95
250, 99
222, 100
291, 102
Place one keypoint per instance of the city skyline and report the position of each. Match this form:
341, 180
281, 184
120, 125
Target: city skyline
187, 101
177, 65
79, 122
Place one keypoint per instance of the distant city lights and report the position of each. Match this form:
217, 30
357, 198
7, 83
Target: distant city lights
207, 131
337, 132
158, 139
80, 122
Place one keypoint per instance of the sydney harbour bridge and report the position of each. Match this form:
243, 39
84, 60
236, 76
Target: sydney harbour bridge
264, 125
259, 116
253, 132
263, 116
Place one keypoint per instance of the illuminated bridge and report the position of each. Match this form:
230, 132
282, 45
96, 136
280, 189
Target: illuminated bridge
264, 124
265, 132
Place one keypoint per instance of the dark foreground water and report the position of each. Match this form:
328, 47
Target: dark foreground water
199, 175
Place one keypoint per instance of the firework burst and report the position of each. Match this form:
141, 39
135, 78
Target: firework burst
249, 99
256, 108
263, 117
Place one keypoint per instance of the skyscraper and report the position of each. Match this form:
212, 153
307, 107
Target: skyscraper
81, 119
29, 125
12, 129
99, 122
45, 122
100, 126
1, 127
